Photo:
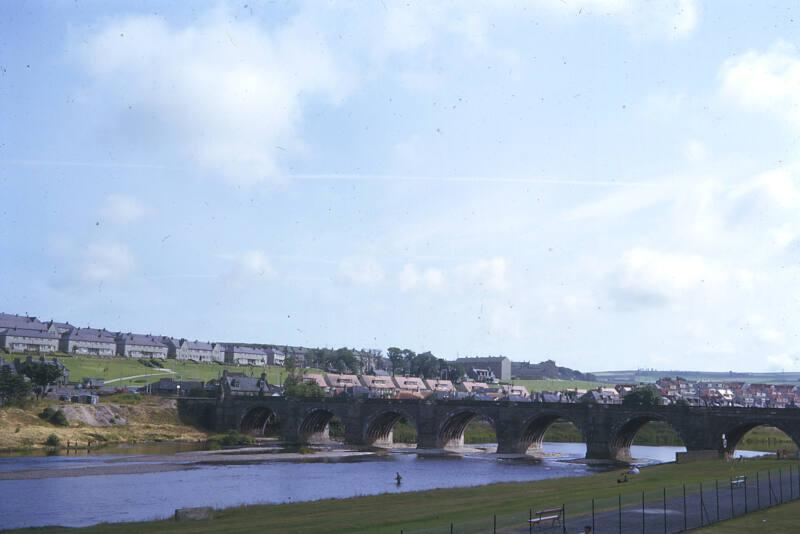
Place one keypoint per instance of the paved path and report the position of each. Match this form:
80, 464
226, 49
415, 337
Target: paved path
162, 373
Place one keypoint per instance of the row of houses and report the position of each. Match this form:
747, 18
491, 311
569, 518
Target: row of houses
22, 334
717, 393
411, 387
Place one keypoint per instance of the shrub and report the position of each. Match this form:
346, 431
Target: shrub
231, 439
54, 417
53, 441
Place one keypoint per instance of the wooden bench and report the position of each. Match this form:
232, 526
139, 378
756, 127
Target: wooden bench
551, 515
739, 482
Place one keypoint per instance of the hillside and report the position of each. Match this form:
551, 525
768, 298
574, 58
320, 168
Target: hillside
547, 370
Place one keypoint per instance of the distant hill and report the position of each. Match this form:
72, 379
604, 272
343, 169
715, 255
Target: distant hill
651, 375
547, 370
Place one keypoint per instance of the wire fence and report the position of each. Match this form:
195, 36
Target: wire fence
667, 510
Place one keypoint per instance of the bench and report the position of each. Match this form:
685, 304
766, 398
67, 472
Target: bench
739, 482
551, 515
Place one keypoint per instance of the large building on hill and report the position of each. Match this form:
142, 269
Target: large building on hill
141, 346
89, 341
196, 351
27, 334
500, 366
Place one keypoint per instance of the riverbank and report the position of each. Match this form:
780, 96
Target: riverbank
391, 513
149, 419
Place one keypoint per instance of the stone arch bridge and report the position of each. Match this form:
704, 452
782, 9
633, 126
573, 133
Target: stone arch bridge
607, 429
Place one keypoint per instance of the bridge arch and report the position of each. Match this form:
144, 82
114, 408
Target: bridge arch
623, 434
260, 421
451, 429
735, 434
314, 426
535, 428
378, 429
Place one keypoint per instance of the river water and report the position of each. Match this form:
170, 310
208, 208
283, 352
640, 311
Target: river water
91, 499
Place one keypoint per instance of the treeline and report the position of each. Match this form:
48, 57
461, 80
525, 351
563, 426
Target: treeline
402, 362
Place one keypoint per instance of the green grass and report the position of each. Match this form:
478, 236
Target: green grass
110, 368
783, 518
470, 508
557, 385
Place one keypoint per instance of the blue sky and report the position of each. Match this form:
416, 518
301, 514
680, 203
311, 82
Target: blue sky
608, 183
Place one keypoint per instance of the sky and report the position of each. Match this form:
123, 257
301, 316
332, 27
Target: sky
612, 184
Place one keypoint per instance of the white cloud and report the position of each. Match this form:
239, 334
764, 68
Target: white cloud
489, 274
768, 82
228, 95
361, 271
122, 209
107, 262
412, 277
647, 277
250, 267
479, 275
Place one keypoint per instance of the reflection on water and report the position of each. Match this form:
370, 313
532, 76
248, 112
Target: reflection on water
128, 497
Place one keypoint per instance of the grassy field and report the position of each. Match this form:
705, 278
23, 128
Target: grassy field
408, 511
556, 385
112, 368
783, 518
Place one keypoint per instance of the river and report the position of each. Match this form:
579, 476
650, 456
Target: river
62, 499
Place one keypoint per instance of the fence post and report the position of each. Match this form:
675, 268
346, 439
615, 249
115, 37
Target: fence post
530, 520
684, 507
758, 491
563, 519
701, 505
769, 485
733, 506
494, 526
791, 484
716, 487
746, 508
619, 508
643, 513
780, 481
451, 528
593, 527
665, 509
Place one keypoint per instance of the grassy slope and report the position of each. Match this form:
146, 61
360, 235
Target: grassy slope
782, 518
557, 385
393, 512
109, 368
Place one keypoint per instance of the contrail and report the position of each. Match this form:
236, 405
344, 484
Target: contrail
474, 179
351, 177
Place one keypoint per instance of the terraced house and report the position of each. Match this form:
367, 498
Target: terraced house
27, 334
89, 341
245, 355
195, 351
141, 346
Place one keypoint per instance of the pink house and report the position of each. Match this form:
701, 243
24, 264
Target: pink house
440, 386
410, 383
380, 384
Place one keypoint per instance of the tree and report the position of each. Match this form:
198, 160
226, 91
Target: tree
396, 357
408, 358
644, 397
14, 389
425, 365
295, 386
41, 373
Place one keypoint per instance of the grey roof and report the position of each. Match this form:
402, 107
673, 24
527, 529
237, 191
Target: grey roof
20, 321
246, 383
90, 335
141, 339
29, 332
